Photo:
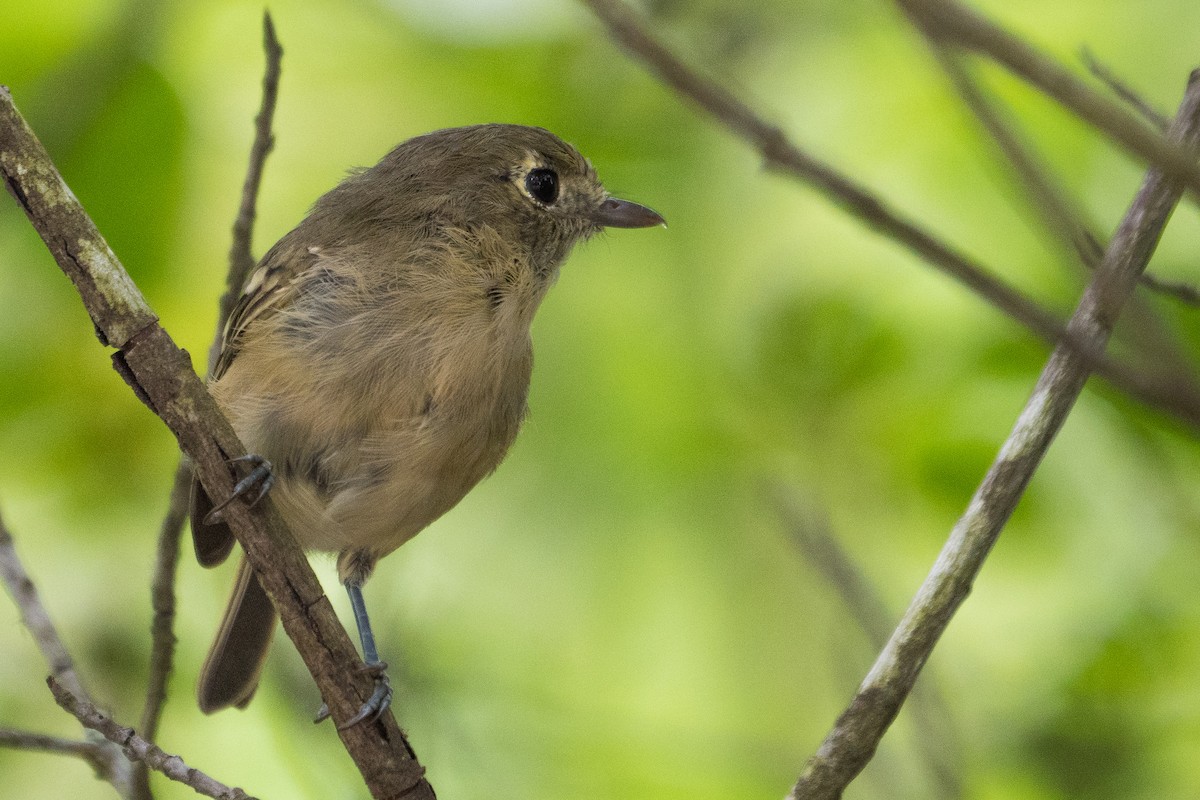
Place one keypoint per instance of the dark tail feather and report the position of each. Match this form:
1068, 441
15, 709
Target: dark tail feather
230, 673
214, 541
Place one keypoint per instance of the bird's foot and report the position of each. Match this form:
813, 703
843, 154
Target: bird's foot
376, 704
260, 475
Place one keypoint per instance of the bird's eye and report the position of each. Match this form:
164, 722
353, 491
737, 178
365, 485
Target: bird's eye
542, 185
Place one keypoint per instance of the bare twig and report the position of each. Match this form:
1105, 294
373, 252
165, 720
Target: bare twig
34, 615
1179, 290
241, 261
810, 531
1124, 91
99, 755
1055, 204
161, 375
241, 257
1060, 214
162, 628
854, 738
1170, 393
110, 765
137, 748
956, 25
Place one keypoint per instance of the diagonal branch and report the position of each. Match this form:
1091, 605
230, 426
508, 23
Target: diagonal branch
160, 374
1171, 393
162, 626
854, 738
1122, 90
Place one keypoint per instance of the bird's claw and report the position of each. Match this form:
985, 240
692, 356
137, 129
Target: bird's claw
260, 475
379, 701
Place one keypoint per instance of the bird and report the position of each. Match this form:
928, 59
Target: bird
377, 363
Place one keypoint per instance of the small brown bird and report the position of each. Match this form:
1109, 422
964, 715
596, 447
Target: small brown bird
378, 361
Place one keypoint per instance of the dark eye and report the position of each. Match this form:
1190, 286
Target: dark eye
542, 185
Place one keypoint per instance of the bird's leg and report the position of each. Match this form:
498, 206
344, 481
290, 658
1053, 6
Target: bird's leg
260, 475
381, 698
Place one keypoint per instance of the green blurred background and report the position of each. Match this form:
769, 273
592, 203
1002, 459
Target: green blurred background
622, 611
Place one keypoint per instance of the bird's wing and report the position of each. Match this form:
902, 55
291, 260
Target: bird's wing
270, 288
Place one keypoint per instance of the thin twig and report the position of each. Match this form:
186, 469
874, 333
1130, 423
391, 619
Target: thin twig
1179, 290
856, 735
111, 766
241, 257
1058, 212
1124, 91
810, 531
136, 748
97, 754
241, 261
34, 615
1057, 207
162, 627
956, 25
1170, 393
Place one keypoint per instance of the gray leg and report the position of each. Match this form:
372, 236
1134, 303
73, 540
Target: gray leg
381, 698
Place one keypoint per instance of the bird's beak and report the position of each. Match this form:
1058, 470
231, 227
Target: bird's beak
614, 213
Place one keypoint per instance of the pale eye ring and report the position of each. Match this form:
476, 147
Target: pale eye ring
542, 185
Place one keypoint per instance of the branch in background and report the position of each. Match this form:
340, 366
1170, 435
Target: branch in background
1180, 290
161, 375
1060, 215
99, 755
950, 23
1059, 211
852, 742
1170, 393
1124, 91
34, 615
809, 530
241, 257
137, 748
241, 261
162, 626
110, 764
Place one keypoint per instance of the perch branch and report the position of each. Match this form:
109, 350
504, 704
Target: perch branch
161, 375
